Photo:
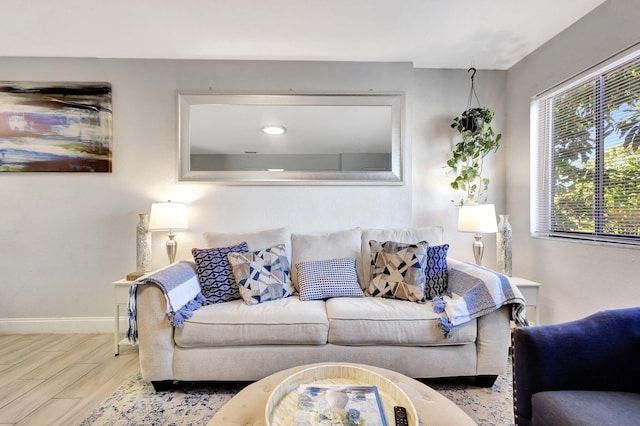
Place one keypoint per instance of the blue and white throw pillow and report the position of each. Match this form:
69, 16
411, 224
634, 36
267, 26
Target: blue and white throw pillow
215, 274
262, 275
436, 271
323, 279
397, 270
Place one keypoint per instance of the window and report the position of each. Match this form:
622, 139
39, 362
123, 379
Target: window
586, 180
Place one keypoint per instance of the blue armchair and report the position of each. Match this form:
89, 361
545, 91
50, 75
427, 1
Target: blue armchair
584, 372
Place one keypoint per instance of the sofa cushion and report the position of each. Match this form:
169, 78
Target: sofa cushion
570, 407
431, 234
323, 279
255, 240
397, 270
306, 247
262, 275
280, 322
437, 278
378, 321
215, 274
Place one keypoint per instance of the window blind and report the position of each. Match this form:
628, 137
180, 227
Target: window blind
586, 139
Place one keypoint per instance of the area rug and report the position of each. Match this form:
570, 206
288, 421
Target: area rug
136, 402
487, 406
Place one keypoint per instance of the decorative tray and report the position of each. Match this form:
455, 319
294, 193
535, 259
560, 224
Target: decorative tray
282, 404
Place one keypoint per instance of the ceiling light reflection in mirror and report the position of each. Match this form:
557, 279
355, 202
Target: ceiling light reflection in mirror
274, 129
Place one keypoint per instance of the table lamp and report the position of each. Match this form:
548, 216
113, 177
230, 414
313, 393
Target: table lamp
170, 217
478, 218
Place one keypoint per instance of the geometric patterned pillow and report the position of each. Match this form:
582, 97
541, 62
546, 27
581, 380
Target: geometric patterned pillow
397, 270
436, 271
262, 275
215, 275
323, 279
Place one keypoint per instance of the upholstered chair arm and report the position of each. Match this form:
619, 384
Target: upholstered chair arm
599, 352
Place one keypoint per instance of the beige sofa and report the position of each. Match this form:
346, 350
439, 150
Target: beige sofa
233, 341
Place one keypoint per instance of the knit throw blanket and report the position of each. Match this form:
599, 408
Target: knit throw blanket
181, 289
475, 291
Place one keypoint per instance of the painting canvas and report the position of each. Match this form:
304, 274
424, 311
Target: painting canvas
55, 127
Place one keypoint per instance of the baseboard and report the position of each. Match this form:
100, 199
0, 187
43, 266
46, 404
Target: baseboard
60, 325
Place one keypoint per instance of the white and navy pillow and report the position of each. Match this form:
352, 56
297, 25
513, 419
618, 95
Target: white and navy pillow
323, 279
215, 274
437, 282
262, 275
397, 270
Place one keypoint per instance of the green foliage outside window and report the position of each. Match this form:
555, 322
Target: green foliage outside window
595, 155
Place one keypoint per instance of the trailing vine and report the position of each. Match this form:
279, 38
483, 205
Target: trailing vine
477, 140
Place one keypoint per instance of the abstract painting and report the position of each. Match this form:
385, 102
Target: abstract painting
55, 127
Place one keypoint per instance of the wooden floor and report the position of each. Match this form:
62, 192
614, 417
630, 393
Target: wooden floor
58, 379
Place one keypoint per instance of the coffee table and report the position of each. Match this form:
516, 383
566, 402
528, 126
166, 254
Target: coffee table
248, 406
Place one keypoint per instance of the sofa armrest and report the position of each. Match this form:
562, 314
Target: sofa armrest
155, 334
492, 343
599, 352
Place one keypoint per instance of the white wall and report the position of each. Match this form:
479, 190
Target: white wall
67, 236
578, 278
441, 95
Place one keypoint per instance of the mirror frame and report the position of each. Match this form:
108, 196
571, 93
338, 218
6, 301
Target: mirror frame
395, 176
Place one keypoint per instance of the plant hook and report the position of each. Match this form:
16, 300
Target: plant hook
472, 93
472, 75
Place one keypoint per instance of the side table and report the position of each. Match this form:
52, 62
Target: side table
530, 291
120, 299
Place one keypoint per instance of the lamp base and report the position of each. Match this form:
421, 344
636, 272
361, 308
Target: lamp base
172, 247
478, 249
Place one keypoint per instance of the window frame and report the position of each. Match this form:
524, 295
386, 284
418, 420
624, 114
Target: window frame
542, 168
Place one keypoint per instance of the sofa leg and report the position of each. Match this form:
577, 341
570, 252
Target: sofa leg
485, 381
163, 385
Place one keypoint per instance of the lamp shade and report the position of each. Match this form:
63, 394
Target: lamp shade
168, 216
479, 218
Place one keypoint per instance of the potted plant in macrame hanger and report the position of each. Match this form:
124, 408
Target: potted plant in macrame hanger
477, 140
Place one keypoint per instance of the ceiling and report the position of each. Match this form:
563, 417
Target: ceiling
487, 34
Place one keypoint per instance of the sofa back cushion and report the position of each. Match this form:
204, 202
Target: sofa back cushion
433, 235
336, 245
255, 240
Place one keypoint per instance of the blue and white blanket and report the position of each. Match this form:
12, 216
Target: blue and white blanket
475, 291
181, 289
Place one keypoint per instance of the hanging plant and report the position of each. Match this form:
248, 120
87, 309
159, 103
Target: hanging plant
472, 120
477, 140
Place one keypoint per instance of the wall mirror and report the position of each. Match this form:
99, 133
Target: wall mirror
289, 139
